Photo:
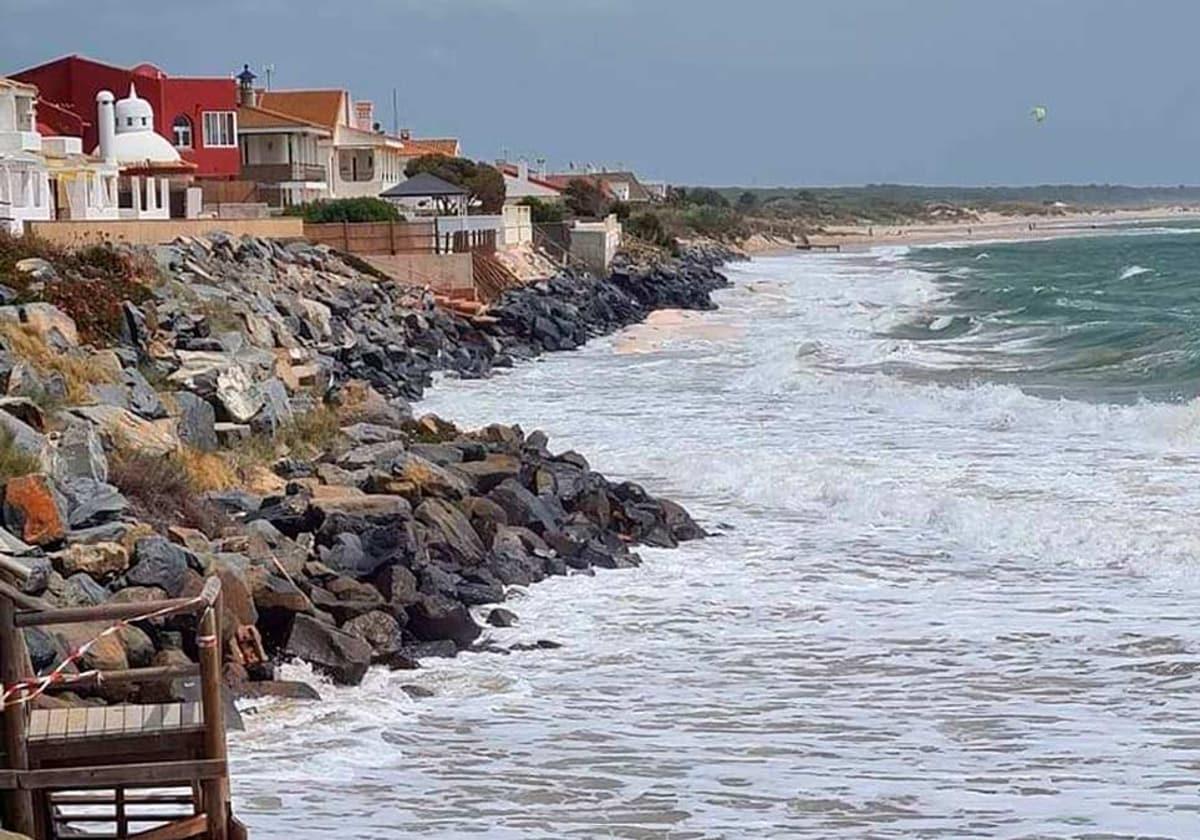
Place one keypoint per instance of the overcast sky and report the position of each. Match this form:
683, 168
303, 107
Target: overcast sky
753, 92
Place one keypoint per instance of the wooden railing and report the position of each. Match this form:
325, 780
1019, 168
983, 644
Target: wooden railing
36, 772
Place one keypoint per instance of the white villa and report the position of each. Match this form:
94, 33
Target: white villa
24, 182
146, 160
45, 178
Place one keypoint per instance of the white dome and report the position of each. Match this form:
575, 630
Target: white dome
136, 141
142, 146
134, 113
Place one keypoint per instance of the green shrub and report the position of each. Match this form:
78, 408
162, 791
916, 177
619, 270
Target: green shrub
584, 197
346, 210
649, 228
543, 212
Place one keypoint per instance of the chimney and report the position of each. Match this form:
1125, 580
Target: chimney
246, 94
106, 124
522, 170
364, 115
406, 134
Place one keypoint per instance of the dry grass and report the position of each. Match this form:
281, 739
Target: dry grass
207, 470
78, 371
161, 492
14, 461
310, 433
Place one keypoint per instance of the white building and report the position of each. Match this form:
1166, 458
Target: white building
146, 160
24, 181
520, 184
46, 178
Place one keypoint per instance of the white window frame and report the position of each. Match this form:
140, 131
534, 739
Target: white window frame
177, 129
219, 129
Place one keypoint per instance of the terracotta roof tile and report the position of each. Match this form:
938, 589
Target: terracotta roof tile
250, 116
447, 146
320, 107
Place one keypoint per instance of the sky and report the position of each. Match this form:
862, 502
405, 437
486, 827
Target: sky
753, 93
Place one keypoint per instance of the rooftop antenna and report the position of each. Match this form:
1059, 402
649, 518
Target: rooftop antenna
268, 70
395, 115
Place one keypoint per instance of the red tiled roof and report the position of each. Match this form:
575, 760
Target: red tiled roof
448, 146
320, 107
253, 116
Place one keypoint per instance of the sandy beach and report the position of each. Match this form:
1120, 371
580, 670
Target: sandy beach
989, 227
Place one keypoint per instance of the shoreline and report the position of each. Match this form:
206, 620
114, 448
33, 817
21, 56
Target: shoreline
991, 227
347, 533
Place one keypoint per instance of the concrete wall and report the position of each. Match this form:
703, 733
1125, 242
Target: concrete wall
596, 243
518, 226
448, 274
155, 232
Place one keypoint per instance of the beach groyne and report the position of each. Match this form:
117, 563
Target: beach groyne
248, 417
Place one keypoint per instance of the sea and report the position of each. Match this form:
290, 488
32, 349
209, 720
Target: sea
950, 592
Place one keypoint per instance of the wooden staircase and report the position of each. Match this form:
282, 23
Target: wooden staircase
491, 277
145, 771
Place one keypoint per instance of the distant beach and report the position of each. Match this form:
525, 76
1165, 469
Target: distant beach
994, 226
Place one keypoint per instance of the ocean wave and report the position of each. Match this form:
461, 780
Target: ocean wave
1129, 272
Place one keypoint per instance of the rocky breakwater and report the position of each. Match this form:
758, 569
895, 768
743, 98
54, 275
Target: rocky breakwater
243, 416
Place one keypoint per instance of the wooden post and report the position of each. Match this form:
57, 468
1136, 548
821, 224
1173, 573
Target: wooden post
392, 237
346, 237
12, 670
216, 791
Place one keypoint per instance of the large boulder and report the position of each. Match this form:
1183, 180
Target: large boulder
428, 477
91, 502
100, 560
378, 629
195, 421
523, 508
489, 473
339, 655
435, 617
450, 528
81, 453
238, 394
158, 562
80, 590
33, 511
49, 323
122, 426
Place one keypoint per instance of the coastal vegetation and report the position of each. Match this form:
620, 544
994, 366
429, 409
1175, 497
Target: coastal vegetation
346, 210
484, 183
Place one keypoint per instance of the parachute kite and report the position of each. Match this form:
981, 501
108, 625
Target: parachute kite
1038, 113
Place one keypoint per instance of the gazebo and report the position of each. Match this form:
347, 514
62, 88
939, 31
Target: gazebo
430, 194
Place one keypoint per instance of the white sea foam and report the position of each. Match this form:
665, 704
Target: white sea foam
931, 610
1129, 272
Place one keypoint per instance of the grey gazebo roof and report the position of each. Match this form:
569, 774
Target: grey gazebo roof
423, 185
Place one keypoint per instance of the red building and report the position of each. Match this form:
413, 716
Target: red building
197, 115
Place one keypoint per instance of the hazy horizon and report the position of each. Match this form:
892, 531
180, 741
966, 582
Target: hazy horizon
762, 93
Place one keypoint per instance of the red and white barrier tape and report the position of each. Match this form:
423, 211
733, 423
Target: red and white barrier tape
36, 686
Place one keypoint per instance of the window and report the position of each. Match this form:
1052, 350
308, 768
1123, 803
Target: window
182, 129
220, 129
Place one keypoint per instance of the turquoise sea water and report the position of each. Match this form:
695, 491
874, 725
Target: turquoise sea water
1105, 318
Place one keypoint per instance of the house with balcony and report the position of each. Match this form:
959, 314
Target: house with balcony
358, 160
282, 155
